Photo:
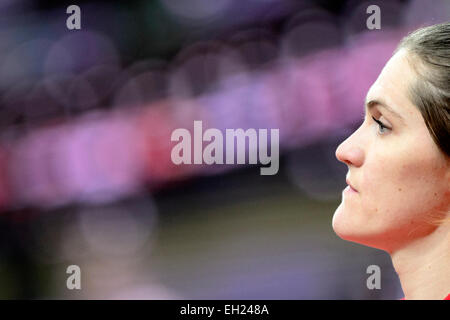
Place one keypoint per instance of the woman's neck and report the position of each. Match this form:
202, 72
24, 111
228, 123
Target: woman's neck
423, 266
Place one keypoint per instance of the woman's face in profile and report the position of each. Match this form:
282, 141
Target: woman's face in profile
400, 176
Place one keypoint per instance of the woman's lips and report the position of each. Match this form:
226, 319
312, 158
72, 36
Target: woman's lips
350, 187
350, 191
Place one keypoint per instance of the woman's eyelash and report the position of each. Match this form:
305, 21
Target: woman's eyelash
381, 124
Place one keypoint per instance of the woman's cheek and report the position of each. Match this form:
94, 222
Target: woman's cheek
382, 190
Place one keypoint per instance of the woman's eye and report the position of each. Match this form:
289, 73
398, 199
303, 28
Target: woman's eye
381, 127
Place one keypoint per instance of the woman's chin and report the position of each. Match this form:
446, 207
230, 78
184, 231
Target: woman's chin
347, 229
357, 235
340, 223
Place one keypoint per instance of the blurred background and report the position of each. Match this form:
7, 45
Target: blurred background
86, 117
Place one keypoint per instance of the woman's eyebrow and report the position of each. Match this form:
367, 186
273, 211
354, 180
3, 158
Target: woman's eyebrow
371, 103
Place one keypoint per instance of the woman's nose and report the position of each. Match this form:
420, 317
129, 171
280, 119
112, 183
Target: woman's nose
350, 153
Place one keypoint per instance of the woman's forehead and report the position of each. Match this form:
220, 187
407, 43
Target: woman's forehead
397, 73
393, 84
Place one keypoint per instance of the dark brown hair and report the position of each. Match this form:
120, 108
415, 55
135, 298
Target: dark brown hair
429, 50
